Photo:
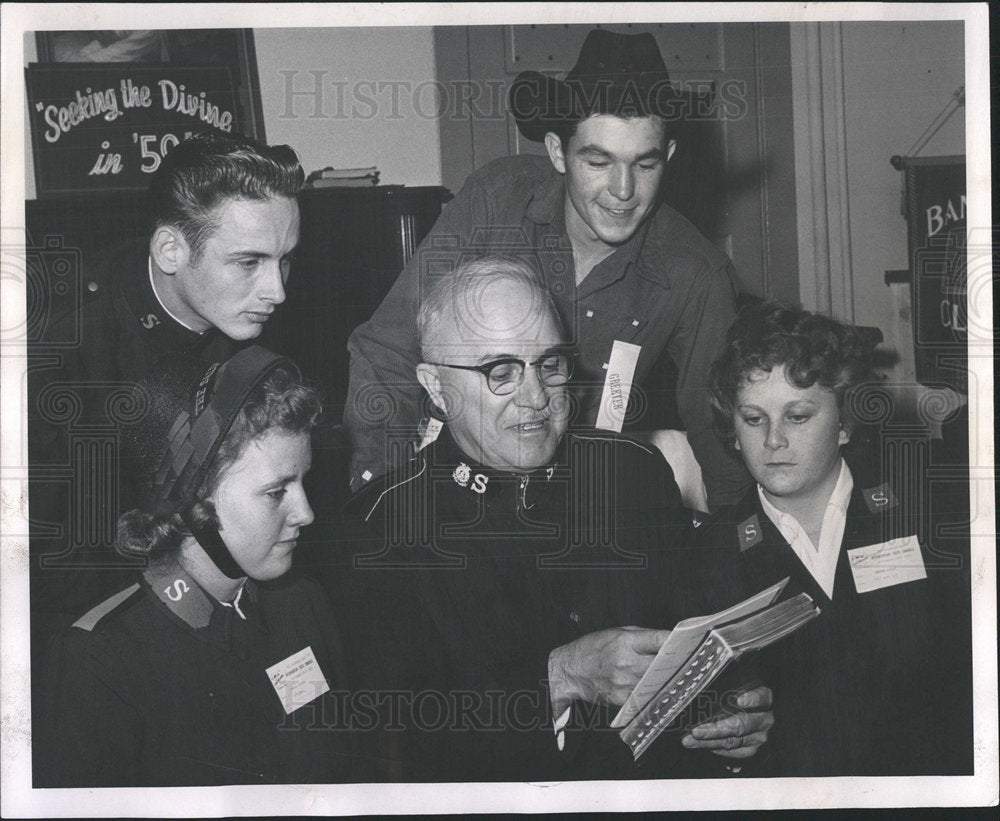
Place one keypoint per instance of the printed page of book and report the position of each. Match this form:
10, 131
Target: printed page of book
684, 640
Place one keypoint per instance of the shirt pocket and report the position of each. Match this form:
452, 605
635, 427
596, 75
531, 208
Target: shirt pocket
597, 328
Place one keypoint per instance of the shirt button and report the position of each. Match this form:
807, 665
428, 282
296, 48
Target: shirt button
92, 287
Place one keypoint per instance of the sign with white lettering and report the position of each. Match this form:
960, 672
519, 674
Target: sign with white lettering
935, 207
107, 126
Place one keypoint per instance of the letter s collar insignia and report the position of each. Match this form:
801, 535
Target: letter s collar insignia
462, 474
880, 498
749, 533
176, 591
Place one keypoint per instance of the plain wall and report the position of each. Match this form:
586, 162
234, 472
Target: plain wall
30, 56
377, 102
897, 78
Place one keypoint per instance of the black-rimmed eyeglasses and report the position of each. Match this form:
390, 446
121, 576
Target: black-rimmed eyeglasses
503, 376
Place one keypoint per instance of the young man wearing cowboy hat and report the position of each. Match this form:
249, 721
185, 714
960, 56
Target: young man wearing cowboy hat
646, 298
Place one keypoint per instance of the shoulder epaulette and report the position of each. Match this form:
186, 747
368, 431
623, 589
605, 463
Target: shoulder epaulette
92, 618
366, 500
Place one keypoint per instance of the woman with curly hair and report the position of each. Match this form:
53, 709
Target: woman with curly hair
218, 665
879, 684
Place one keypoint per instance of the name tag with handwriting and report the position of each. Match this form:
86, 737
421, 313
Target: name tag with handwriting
298, 680
886, 564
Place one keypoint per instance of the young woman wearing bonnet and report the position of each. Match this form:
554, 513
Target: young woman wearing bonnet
218, 665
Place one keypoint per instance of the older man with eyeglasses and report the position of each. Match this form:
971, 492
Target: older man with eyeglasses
485, 586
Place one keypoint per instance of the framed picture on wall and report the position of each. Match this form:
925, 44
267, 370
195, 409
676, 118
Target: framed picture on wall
232, 48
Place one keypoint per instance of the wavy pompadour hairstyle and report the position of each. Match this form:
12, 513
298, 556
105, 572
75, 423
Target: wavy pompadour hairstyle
205, 170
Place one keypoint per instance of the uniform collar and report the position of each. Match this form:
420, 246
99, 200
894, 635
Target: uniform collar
189, 603
156, 296
159, 327
481, 479
869, 495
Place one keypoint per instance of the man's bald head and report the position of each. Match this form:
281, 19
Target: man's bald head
467, 306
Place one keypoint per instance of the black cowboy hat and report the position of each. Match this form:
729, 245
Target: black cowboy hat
620, 74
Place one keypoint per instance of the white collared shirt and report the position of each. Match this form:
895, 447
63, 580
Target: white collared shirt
235, 603
821, 561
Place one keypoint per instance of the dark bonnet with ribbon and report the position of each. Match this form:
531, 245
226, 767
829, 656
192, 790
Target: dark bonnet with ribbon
619, 74
199, 404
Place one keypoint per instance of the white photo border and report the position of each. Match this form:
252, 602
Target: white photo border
20, 800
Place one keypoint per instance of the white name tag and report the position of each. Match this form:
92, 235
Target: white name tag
431, 432
298, 680
886, 564
617, 385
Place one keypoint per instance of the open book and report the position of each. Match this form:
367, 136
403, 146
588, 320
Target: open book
697, 652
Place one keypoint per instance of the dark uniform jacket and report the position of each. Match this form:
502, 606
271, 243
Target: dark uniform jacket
160, 685
456, 581
880, 682
667, 289
80, 375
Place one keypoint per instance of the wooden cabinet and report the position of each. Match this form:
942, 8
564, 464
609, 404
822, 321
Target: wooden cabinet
354, 242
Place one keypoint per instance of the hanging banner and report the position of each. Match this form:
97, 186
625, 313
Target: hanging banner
107, 126
935, 210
